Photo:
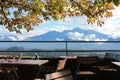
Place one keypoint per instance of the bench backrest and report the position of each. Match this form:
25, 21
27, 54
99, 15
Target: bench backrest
109, 56
117, 57
87, 59
61, 64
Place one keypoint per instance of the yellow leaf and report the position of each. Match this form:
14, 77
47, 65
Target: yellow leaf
108, 14
110, 6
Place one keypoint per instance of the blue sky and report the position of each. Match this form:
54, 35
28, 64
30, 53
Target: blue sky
110, 28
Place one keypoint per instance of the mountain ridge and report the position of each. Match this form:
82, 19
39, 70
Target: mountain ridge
66, 35
53, 35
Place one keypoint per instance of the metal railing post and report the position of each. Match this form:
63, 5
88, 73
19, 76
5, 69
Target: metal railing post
66, 49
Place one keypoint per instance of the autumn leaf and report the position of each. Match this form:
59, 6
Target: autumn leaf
100, 23
30, 13
108, 14
110, 6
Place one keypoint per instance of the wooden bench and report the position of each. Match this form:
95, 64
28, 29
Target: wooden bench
70, 77
60, 73
57, 75
85, 60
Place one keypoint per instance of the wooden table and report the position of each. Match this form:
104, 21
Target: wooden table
116, 63
68, 57
22, 62
10, 65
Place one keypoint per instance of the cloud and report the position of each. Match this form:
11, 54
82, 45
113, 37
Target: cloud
60, 28
75, 35
74, 22
90, 37
58, 39
82, 36
12, 38
112, 25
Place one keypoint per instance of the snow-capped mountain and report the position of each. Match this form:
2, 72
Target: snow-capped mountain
72, 34
75, 34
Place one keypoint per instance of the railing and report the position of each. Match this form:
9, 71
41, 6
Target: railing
68, 47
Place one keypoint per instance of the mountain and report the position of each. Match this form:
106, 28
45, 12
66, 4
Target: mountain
2, 48
111, 39
54, 35
8, 38
15, 48
74, 34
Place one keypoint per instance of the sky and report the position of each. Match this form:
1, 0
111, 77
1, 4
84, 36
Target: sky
110, 28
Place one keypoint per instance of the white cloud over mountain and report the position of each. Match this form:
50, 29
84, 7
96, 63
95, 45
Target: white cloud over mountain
59, 39
82, 36
75, 35
12, 38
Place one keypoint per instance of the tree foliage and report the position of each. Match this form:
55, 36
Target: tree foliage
18, 14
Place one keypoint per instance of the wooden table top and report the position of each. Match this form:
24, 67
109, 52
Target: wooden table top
68, 57
85, 73
58, 74
116, 63
22, 62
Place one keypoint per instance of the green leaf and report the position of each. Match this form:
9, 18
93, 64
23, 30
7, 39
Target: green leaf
116, 2
109, 1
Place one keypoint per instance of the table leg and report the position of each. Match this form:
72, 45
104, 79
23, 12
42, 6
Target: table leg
10, 73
